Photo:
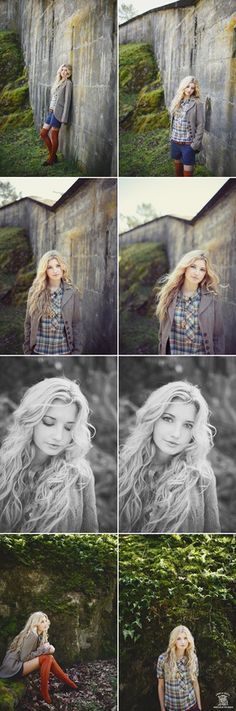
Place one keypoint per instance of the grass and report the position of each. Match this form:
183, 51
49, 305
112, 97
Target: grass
11, 329
138, 334
29, 154
147, 154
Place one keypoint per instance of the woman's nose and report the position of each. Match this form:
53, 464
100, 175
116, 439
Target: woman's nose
58, 432
176, 431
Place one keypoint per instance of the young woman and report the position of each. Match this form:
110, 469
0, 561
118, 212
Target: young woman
187, 126
46, 484
29, 651
177, 673
189, 309
52, 322
58, 111
166, 482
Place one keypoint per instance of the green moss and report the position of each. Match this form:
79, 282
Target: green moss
137, 66
11, 61
150, 99
11, 693
140, 267
15, 98
15, 250
150, 122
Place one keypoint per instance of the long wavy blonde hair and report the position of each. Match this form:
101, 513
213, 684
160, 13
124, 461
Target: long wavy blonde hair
59, 79
170, 665
175, 104
33, 621
39, 297
55, 484
157, 497
173, 282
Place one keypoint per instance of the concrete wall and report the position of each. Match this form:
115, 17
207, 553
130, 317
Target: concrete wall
197, 38
82, 33
214, 230
83, 229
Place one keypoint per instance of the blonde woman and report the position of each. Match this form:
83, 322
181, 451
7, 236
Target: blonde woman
58, 111
46, 484
30, 651
177, 673
166, 483
187, 126
189, 309
52, 323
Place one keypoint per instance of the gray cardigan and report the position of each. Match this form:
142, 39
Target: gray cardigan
195, 117
13, 660
72, 322
210, 322
63, 102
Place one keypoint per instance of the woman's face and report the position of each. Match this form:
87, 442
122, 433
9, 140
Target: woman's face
174, 429
65, 72
190, 89
181, 642
195, 273
54, 270
43, 625
54, 433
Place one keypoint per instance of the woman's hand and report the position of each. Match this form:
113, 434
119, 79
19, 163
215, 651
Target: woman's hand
51, 649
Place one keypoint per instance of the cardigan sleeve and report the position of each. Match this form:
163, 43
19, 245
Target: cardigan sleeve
218, 334
197, 141
212, 521
68, 95
77, 326
30, 650
89, 522
27, 329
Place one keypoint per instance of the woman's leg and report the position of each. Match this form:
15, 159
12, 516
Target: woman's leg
45, 663
30, 666
179, 168
58, 671
45, 137
54, 141
188, 171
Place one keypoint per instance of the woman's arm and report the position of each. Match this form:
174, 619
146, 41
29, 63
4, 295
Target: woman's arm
218, 334
161, 693
30, 650
197, 693
212, 521
197, 141
89, 522
68, 95
27, 331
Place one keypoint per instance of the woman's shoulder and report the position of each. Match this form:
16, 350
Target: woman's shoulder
162, 658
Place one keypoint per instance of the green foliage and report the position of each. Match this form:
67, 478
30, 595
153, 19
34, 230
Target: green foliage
137, 66
11, 62
169, 580
141, 265
16, 275
14, 98
29, 154
10, 694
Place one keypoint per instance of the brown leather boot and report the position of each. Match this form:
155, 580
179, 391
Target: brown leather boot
45, 663
188, 173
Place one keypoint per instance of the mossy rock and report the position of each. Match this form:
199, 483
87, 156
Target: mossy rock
150, 99
23, 282
17, 120
11, 692
137, 66
14, 98
141, 265
15, 250
11, 60
150, 122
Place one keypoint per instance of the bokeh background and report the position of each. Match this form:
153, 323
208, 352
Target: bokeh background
97, 378
216, 377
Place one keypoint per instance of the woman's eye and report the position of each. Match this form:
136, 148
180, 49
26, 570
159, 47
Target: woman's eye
68, 428
188, 425
47, 422
166, 418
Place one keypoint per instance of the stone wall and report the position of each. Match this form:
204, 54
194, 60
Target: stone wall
82, 33
213, 229
82, 226
198, 38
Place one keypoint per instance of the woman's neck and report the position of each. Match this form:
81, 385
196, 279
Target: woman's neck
189, 289
54, 285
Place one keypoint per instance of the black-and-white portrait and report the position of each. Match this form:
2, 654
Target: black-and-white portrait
58, 445
177, 436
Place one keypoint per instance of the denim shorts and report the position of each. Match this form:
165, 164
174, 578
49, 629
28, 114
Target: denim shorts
184, 152
52, 120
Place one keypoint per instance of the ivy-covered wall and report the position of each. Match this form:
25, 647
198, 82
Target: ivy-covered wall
167, 580
70, 578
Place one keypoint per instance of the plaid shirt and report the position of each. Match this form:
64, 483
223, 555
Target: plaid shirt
51, 336
185, 336
181, 131
179, 692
